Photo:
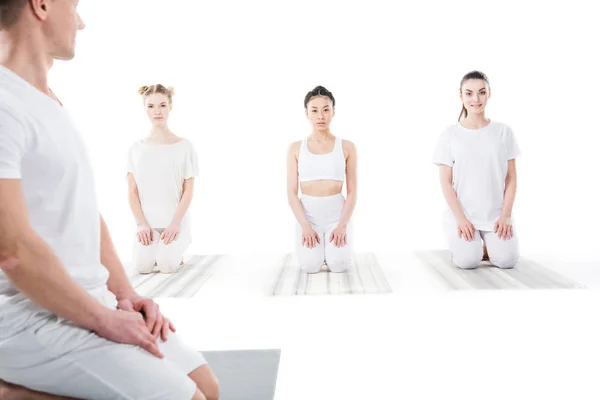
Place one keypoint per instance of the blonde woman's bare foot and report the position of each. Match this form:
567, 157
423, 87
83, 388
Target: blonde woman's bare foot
485, 257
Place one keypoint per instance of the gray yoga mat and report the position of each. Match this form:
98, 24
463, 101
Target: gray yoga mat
245, 374
184, 283
364, 277
526, 275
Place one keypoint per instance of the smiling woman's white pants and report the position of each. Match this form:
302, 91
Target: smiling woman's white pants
467, 255
324, 213
166, 257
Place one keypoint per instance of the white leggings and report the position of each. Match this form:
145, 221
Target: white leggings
166, 257
467, 255
324, 213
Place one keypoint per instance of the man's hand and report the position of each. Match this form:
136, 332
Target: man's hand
126, 327
157, 323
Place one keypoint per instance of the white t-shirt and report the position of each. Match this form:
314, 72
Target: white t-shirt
160, 171
40, 145
479, 160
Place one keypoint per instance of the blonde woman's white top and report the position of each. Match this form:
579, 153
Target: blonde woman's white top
160, 171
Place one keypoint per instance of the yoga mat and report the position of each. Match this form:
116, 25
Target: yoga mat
364, 277
184, 283
526, 275
245, 374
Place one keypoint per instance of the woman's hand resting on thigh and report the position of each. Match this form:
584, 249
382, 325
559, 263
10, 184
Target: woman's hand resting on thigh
466, 230
503, 227
144, 234
171, 234
310, 237
338, 236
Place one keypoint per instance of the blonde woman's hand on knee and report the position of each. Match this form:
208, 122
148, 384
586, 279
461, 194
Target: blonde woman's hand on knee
466, 230
310, 237
144, 234
503, 227
171, 234
338, 236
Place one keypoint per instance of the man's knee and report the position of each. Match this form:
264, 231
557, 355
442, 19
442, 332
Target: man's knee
206, 382
212, 391
199, 396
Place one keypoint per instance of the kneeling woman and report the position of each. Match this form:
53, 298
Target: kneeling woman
319, 165
478, 175
161, 175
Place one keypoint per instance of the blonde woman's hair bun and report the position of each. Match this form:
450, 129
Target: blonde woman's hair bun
158, 88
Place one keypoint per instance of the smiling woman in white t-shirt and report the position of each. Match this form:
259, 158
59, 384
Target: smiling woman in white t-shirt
478, 176
161, 171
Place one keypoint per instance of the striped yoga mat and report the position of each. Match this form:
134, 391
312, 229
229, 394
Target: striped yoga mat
364, 277
526, 275
184, 283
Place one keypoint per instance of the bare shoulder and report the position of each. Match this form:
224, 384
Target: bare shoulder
349, 147
294, 148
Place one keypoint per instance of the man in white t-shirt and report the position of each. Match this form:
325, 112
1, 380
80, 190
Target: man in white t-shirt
70, 322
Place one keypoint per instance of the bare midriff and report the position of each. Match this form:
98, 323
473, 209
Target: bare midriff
321, 188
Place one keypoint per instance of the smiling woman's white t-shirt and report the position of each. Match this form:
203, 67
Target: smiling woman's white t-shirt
479, 160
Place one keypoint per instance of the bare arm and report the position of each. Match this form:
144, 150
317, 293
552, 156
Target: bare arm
186, 200
118, 282
351, 184
134, 201
449, 193
510, 188
292, 185
23, 252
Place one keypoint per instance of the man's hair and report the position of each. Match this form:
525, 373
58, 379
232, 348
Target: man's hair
10, 11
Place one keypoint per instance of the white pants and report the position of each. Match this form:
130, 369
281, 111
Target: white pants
166, 257
467, 255
57, 357
324, 213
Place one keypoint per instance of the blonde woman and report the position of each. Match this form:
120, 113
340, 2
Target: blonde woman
161, 171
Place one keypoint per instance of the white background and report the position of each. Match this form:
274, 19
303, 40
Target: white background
241, 70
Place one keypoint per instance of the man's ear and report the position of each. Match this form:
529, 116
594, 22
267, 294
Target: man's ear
40, 8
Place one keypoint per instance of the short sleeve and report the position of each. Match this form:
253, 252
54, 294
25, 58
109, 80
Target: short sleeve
13, 144
512, 147
130, 164
191, 163
443, 152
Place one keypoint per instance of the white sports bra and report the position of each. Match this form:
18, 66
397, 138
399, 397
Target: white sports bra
328, 166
